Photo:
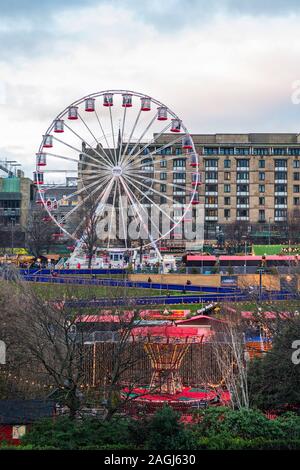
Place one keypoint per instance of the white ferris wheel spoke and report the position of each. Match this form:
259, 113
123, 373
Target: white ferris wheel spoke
62, 157
113, 135
85, 199
122, 135
99, 164
105, 138
130, 136
103, 160
151, 200
141, 219
157, 152
112, 212
130, 154
161, 182
142, 207
79, 191
151, 189
122, 214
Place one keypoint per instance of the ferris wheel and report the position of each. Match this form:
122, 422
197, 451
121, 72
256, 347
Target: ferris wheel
130, 154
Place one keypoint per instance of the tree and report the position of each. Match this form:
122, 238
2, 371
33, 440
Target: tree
49, 343
274, 380
231, 361
39, 234
87, 219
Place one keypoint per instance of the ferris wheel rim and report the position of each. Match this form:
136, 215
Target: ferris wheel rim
78, 102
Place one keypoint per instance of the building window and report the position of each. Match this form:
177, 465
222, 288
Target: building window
242, 175
242, 200
227, 201
296, 188
211, 163
227, 188
261, 201
242, 151
279, 151
163, 176
242, 163
261, 176
211, 212
178, 151
261, 151
227, 175
163, 188
179, 163
261, 215
227, 163
261, 188
280, 188
296, 201
211, 200
211, 175
280, 175
211, 150
211, 188
242, 213
165, 151
294, 151
280, 163
226, 150
163, 163
226, 213
262, 164
281, 213
296, 164
280, 200
297, 176
242, 188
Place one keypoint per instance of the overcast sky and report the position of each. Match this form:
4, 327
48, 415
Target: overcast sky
222, 66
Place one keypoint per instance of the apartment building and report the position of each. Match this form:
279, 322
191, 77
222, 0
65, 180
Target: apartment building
251, 178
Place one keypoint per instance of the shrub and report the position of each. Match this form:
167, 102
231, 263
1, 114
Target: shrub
167, 433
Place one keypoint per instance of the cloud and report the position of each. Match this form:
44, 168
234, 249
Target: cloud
233, 73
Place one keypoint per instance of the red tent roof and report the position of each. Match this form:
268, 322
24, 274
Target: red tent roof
241, 258
167, 331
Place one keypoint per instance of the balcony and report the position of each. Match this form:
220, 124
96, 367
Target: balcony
242, 168
211, 206
280, 193
242, 217
211, 193
281, 181
281, 206
281, 168
242, 206
242, 181
211, 180
211, 168
179, 181
280, 219
211, 218
242, 193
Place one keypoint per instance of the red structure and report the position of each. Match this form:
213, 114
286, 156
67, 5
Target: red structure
166, 347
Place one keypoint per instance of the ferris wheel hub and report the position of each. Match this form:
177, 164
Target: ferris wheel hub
117, 171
